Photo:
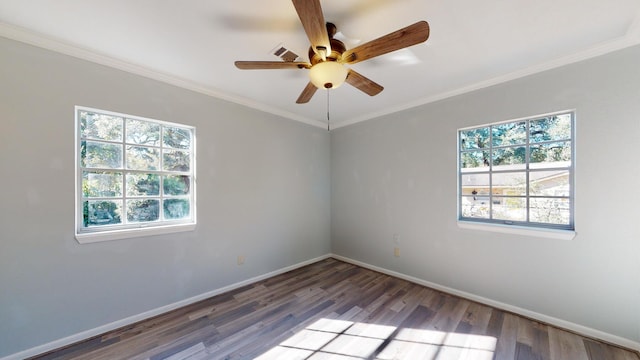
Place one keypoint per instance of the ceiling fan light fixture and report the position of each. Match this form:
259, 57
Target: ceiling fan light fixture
328, 54
328, 74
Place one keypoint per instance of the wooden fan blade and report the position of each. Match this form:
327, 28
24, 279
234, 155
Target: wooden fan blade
261, 65
307, 94
405, 37
312, 19
363, 84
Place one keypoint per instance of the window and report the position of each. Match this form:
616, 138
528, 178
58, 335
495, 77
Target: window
134, 176
518, 172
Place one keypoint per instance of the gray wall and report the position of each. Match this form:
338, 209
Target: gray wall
263, 192
397, 174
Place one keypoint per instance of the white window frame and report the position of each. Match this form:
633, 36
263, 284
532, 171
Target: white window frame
131, 229
527, 228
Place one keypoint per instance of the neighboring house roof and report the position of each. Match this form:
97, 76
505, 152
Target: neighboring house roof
504, 176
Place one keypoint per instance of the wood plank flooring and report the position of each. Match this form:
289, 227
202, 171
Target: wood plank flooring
335, 310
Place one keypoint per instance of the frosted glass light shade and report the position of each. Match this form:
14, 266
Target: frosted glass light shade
328, 74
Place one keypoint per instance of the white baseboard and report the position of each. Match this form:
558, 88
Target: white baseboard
586, 331
580, 329
56, 344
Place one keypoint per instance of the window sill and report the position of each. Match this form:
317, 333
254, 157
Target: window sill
92, 237
519, 230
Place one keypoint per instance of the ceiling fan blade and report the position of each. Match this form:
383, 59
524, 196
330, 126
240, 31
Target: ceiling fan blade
260, 65
405, 37
307, 94
312, 19
363, 84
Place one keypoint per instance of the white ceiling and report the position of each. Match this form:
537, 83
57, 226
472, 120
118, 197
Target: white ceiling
193, 43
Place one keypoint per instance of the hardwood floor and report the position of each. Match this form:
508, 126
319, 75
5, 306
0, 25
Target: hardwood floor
335, 310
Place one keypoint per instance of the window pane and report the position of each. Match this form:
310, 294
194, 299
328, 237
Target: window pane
474, 161
509, 208
143, 185
551, 154
475, 184
509, 183
177, 138
478, 208
474, 139
175, 160
176, 209
475, 202
143, 210
550, 128
100, 126
509, 158
177, 185
100, 155
143, 158
509, 134
101, 184
143, 132
549, 183
550, 210
100, 213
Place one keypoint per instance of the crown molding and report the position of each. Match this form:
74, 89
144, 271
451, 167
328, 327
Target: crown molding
631, 38
46, 42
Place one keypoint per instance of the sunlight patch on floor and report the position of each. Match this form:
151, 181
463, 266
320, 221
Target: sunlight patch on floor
346, 340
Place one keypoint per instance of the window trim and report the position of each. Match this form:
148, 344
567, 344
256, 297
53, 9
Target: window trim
107, 235
532, 231
117, 232
557, 231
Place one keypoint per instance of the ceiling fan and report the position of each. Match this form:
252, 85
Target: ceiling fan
328, 56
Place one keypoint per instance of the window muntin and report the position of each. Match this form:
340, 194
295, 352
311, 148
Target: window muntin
133, 172
518, 172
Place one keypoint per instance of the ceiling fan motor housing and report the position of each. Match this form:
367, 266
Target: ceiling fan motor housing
337, 48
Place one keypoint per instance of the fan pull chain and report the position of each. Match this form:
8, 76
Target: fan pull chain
328, 119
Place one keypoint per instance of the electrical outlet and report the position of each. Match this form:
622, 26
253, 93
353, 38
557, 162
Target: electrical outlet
240, 259
396, 252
